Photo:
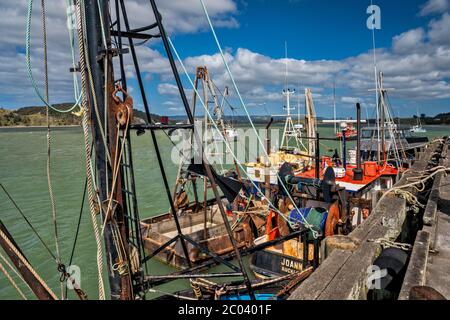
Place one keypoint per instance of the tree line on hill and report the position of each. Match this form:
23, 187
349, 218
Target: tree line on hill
36, 116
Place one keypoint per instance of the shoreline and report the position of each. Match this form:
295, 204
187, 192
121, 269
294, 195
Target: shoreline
40, 127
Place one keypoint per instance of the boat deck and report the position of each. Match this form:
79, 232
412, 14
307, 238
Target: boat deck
190, 229
354, 186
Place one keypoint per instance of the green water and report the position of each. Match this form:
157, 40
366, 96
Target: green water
23, 172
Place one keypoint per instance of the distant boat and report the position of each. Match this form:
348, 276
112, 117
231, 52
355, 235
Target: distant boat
230, 133
418, 127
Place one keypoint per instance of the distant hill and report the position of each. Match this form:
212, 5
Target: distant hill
36, 116
443, 118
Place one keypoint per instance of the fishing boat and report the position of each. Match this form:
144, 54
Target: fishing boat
347, 129
336, 196
398, 140
200, 219
292, 149
192, 235
387, 140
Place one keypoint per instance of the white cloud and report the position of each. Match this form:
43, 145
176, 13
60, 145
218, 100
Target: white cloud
183, 16
435, 6
417, 65
180, 16
350, 100
409, 40
439, 30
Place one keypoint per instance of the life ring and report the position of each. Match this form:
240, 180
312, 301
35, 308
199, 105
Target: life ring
332, 219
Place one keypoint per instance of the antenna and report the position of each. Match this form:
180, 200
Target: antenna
334, 104
298, 104
376, 85
286, 65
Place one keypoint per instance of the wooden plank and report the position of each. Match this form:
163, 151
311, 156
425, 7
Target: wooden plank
416, 271
391, 212
429, 215
312, 287
350, 281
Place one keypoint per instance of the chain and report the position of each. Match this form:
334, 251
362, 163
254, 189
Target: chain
386, 243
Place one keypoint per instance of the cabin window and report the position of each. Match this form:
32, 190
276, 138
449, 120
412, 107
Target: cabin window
367, 134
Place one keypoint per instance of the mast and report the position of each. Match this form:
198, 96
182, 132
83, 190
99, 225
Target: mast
310, 118
289, 131
382, 120
115, 229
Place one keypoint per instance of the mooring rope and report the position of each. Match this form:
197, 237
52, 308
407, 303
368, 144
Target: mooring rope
27, 264
408, 196
88, 150
15, 271
11, 280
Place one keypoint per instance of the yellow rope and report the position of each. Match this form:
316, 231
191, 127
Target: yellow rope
14, 269
13, 283
27, 265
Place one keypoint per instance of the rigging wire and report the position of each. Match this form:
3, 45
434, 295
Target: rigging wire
26, 264
307, 225
78, 225
376, 83
49, 177
15, 271
33, 229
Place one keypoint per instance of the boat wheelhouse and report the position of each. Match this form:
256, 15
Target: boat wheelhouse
396, 139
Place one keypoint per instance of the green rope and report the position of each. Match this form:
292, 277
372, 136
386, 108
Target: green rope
29, 67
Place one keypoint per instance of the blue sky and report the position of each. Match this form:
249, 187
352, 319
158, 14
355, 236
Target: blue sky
327, 41
326, 29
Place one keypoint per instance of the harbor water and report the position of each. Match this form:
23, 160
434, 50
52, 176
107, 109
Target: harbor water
23, 173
